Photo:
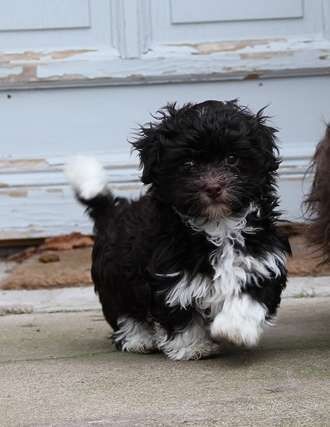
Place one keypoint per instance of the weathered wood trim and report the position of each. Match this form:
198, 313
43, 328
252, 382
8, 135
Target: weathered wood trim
126, 19
239, 60
36, 200
122, 169
52, 209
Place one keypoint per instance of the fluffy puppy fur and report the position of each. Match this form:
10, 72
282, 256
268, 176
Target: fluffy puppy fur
318, 200
198, 258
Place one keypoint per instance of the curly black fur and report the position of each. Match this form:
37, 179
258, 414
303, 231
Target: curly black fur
211, 161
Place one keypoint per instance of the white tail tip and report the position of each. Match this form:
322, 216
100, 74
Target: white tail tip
86, 176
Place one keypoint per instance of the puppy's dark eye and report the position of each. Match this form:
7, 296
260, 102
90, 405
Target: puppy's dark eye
189, 164
232, 160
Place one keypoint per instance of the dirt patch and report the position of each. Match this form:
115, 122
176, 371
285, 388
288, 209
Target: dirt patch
64, 268
65, 261
58, 243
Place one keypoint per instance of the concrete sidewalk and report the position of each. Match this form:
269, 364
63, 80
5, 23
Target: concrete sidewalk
60, 370
84, 298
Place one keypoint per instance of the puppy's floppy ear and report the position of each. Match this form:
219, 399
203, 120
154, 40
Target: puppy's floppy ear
148, 146
151, 139
267, 142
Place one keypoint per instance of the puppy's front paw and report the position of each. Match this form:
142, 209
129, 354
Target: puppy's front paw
247, 333
134, 336
191, 343
195, 352
241, 321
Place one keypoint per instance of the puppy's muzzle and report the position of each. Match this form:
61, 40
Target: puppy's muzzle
214, 191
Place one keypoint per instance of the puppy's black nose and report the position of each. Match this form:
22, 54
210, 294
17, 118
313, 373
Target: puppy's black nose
213, 191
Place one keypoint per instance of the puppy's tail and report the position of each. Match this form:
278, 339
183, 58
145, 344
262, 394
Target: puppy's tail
89, 181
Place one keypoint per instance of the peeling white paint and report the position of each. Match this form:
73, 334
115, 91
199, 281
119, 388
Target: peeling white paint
167, 63
9, 72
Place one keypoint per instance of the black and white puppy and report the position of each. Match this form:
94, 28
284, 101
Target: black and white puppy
198, 258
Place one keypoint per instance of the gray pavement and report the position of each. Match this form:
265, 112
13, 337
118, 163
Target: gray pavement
84, 298
60, 369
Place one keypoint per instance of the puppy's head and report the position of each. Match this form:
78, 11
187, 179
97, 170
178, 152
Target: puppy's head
210, 159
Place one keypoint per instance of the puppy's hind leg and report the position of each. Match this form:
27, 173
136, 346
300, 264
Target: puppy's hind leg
134, 336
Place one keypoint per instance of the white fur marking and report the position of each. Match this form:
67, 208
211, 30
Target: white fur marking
86, 176
228, 228
240, 321
185, 292
134, 336
232, 269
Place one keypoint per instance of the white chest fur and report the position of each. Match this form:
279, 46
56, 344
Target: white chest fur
232, 268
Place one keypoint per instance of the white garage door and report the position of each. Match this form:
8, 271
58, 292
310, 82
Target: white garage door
79, 75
